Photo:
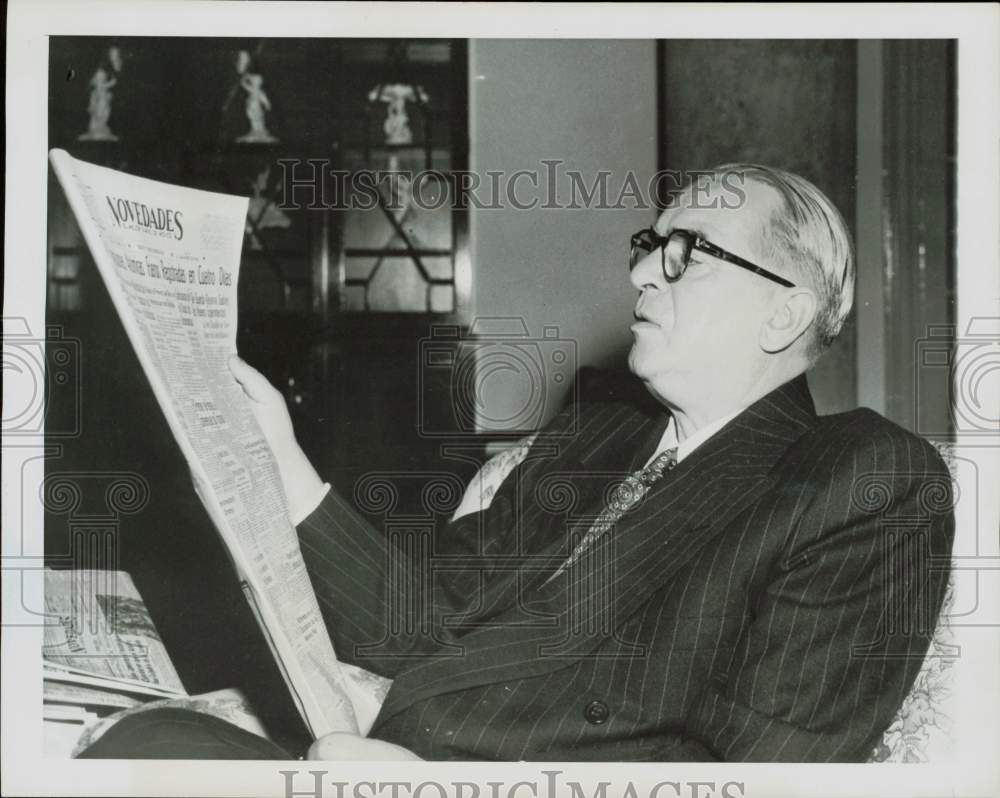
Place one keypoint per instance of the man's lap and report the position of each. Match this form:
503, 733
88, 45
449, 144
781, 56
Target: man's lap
169, 733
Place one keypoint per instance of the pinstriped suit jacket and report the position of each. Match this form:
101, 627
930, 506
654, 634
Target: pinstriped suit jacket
771, 598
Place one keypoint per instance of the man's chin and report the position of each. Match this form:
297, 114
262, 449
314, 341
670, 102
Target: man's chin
632, 361
638, 364
650, 369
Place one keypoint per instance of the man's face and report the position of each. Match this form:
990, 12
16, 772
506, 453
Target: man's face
690, 333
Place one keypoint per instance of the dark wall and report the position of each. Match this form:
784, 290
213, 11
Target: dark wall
918, 223
789, 104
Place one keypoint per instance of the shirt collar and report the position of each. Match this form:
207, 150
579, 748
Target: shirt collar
692, 441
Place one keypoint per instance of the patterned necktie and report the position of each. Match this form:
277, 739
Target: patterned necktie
626, 496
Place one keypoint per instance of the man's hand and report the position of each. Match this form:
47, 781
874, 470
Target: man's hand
340, 746
299, 478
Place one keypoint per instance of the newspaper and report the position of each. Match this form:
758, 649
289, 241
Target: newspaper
100, 633
54, 692
104, 660
170, 259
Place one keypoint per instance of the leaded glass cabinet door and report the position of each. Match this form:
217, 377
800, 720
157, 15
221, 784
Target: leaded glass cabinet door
402, 232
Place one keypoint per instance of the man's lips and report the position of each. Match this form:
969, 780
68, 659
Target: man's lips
642, 320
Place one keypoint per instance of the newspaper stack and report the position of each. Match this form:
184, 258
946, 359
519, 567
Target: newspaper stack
103, 660
102, 654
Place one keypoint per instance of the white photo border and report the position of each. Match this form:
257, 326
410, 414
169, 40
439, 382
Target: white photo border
30, 23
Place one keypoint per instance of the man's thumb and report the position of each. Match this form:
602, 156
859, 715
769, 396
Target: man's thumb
254, 384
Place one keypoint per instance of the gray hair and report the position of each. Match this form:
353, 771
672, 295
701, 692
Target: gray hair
806, 234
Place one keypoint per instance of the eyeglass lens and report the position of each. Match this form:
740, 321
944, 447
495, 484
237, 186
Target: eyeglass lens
674, 253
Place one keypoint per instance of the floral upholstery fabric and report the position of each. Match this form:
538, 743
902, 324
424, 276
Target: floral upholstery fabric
921, 731
483, 486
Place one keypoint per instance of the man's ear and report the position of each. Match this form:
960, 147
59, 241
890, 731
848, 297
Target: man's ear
793, 312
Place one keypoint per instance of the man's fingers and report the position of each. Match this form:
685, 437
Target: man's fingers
254, 384
341, 746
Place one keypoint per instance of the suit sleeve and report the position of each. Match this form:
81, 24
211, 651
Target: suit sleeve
842, 623
382, 603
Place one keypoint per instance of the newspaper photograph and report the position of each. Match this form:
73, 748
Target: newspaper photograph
104, 635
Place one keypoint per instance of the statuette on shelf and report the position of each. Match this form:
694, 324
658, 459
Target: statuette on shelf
396, 96
104, 79
257, 103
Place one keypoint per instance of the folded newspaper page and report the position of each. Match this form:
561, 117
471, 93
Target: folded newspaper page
58, 693
100, 633
170, 259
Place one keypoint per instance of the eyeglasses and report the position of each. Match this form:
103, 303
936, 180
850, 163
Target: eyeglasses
675, 254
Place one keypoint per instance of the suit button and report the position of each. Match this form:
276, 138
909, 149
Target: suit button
596, 712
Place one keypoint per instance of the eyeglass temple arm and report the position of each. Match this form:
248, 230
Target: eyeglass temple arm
736, 260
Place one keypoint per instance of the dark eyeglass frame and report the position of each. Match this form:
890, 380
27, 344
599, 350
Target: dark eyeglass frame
648, 240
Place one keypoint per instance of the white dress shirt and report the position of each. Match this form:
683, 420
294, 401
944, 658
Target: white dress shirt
692, 441
300, 514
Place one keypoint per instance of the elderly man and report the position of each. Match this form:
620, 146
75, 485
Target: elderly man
723, 575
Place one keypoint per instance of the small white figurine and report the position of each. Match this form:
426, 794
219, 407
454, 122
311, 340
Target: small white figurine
397, 123
103, 80
257, 102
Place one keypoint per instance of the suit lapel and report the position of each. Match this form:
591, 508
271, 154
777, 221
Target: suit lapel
575, 480
698, 499
689, 507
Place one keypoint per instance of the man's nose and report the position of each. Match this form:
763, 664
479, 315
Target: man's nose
648, 272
